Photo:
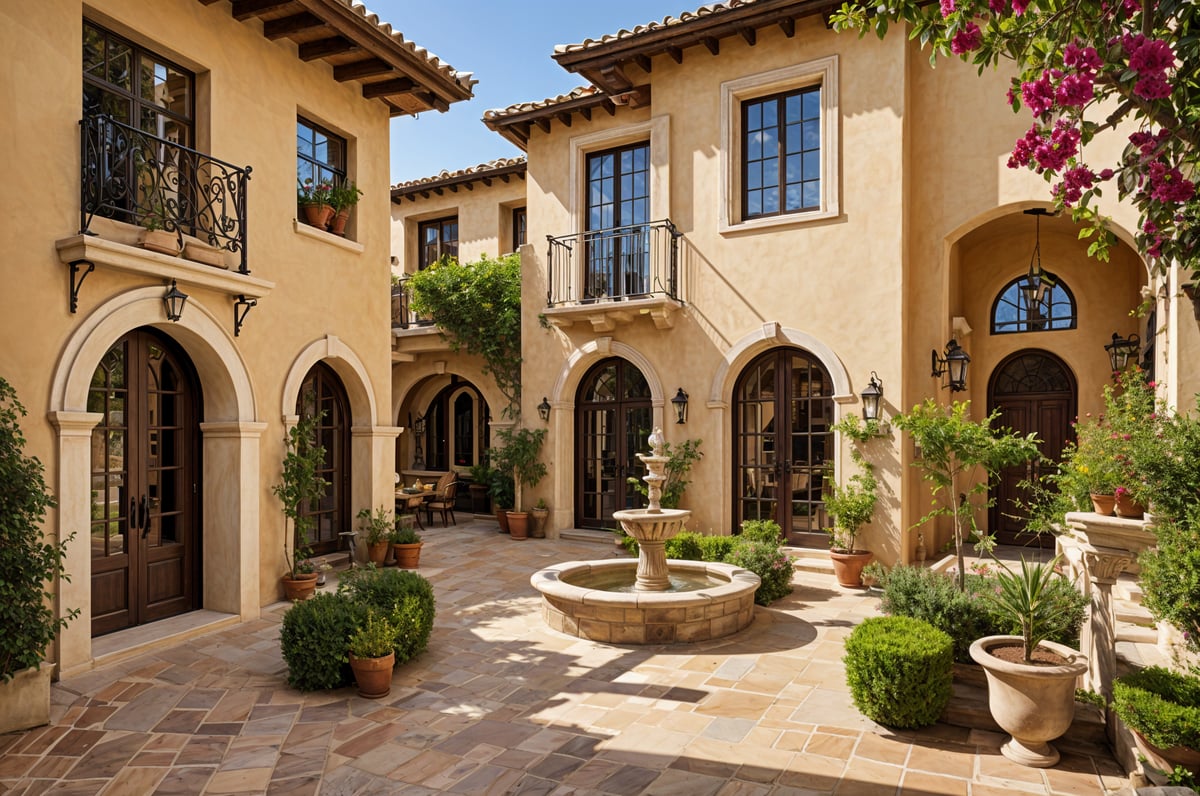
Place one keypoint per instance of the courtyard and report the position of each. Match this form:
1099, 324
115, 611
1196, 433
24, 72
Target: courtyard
499, 703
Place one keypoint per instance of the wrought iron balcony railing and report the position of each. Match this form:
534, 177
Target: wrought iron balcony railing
403, 316
636, 261
134, 176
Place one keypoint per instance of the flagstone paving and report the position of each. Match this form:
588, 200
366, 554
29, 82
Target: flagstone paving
501, 704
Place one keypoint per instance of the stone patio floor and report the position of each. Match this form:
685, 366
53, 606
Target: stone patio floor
501, 704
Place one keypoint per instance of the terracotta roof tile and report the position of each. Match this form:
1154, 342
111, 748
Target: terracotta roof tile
479, 171
667, 22
464, 79
525, 107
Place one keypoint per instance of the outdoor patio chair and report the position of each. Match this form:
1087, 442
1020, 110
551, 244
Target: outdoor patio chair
443, 499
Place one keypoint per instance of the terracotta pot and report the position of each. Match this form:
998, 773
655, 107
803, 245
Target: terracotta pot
408, 556
1129, 508
518, 524
1103, 504
1165, 760
539, 517
205, 254
373, 675
301, 587
848, 566
1034, 704
161, 241
338, 225
318, 215
378, 553
502, 518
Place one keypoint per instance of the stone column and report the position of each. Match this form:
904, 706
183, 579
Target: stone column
1098, 637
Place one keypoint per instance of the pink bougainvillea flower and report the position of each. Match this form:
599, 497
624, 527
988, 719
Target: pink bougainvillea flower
947, 8
968, 39
1038, 95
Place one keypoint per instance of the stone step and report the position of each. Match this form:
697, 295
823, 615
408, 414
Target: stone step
1137, 634
588, 535
1132, 614
1127, 588
808, 560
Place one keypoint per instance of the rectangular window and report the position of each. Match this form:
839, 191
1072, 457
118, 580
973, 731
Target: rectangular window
618, 210
781, 148
518, 228
437, 239
320, 154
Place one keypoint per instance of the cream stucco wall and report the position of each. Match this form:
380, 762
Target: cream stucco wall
322, 298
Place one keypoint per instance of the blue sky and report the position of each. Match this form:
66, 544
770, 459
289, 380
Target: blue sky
507, 44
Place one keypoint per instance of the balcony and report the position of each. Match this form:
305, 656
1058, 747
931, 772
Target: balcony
136, 178
611, 276
412, 333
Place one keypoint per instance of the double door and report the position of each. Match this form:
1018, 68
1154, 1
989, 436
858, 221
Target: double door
144, 484
613, 418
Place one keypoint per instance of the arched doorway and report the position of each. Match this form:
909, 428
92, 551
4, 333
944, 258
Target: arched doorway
322, 391
612, 421
145, 473
457, 427
782, 411
1035, 392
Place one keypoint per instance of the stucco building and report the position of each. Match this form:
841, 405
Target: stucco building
163, 435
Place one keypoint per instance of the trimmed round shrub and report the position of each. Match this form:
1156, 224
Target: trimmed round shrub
934, 598
899, 670
1161, 705
684, 546
315, 639
404, 596
717, 548
770, 564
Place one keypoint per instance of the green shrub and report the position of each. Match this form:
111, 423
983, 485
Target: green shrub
934, 598
1161, 705
770, 563
762, 531
899, 670
1171, 575
684, 547
404, 595
718, 548
315, 639
1066, 604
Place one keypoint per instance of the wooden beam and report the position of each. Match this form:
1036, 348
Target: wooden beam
788, 26
453, 188
208, 2
676, 54
749, 35
434, 102
504, 178
385, 88
358, 69
643, 61
245, 9
565, 118
713, 45
470, 186
322, 48
439, 192
285, 26
543, 125
487, 181
609, 106
586, 113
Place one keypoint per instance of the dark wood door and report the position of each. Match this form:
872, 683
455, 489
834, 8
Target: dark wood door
1034, 392
782, 413
322, 392
145, 484
613, 417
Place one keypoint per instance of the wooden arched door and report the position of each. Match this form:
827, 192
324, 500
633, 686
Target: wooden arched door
322, 391
1035, 392
612, 422
782, 410
145, 488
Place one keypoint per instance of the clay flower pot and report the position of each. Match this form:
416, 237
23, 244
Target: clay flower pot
1103, 504
373, 675
378, 552
1033, 703
1127, 507
518, 524
408, 556
848, 566
301, 587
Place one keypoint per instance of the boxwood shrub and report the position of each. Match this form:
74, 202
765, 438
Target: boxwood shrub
1161, 705
771, 565
315, 636
899, 670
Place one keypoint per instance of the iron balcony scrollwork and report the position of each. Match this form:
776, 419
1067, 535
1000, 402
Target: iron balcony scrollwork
634, 261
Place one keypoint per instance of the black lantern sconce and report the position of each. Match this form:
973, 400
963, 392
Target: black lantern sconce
680, 402
954, 363
173, 300
418, 437
241, 307
544, 409
1033, 289
1121, 349
872, 396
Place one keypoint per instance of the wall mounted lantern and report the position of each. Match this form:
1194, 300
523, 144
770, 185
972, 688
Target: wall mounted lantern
680, 402
954, 363
1121, 349
418, 436
544, 409
872, 396
173, 300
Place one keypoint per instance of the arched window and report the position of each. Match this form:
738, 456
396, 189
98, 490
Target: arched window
1056, 310
456, 427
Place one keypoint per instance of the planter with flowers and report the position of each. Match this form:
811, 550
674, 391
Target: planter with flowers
314, 200
343, 197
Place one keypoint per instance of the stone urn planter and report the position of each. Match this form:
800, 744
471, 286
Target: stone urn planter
1034, 703
538, 516
25, 699
848, 566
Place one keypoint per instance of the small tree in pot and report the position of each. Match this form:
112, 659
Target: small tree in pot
28, 562
300, 486
519, 455
851, 505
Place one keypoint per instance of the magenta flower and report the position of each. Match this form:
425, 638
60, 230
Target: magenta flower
968, 39
1154, 56
947, 8
1038, 95
1019, 6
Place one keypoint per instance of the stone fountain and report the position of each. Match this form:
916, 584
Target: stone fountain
652, 600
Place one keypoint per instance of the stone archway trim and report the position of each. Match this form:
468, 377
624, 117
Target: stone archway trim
349, 368
771, 335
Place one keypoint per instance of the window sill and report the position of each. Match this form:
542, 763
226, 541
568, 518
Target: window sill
775, 222
309, 231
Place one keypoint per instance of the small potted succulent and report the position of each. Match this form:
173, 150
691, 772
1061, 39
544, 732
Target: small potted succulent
373, 655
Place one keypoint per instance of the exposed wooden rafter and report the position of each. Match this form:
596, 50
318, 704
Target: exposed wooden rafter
323, 48
388, 88
487, 174
248, 9
371, 67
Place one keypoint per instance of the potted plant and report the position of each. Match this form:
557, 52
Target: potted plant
1162, 708
342, 197
1031, 681
156, 235
520, 456
300, 486
377, 532
539, 513
313, 200
503, 491
29, 563
481, 480
406, 544
373, 655
851, 505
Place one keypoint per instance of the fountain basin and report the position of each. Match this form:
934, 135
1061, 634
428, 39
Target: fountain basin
570, 605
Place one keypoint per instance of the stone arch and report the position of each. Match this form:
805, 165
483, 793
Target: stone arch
773, 335
577, 364
409, 380
349, 368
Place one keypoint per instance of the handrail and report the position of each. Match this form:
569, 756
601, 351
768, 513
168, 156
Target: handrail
631, 261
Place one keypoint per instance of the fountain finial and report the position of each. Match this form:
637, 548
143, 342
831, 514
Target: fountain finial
656, 441
655, 463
